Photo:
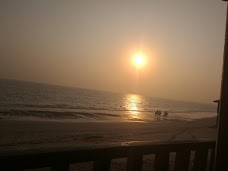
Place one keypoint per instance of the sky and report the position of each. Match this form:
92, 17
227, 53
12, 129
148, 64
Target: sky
90, 44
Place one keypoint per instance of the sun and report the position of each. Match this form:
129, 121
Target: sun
139, 60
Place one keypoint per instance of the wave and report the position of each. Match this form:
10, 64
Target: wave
60, 107
53, 114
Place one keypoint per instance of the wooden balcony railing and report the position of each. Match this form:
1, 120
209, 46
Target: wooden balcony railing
60, 159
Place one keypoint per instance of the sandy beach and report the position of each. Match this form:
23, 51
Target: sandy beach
26, 135
23, 135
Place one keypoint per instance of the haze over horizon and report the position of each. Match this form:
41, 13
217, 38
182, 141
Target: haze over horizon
90, 44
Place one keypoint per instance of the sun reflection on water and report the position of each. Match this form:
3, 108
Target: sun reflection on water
133, 104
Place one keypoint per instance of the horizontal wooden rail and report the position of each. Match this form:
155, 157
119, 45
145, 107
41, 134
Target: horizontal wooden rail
60, 159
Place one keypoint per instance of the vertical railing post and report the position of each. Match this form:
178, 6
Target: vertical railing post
182, 160
134, 161
222, 141
161, 161
200, 161
212, 160
60, 167
103, 165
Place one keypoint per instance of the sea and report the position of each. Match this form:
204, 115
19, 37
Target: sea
21, 100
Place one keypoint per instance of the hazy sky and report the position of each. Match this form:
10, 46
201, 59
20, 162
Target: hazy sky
89, 44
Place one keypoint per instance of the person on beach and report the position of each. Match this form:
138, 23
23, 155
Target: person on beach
159, 113
166, 114
156, 113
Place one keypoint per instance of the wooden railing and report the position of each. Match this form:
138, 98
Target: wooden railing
60, 159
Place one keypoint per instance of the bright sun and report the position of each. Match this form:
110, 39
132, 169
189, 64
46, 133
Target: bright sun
139, 60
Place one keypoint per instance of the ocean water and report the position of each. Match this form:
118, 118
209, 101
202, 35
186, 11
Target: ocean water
27, 100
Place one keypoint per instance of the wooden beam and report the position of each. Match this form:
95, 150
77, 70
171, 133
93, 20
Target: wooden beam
222, 141
60, 159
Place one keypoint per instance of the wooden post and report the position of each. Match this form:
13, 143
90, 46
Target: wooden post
103, 165
134, 161
200, 161
161, 161
222, 140
182, 160
60, 167
212, 160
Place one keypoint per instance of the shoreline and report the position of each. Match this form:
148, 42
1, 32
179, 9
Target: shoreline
104, 117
